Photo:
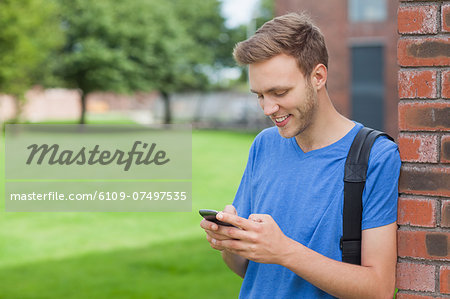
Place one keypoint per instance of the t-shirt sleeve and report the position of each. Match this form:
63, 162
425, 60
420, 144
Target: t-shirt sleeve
381, 191
243, 198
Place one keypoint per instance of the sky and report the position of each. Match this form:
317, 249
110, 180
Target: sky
237, 12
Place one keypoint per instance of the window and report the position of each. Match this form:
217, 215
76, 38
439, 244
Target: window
367, 10
367, 87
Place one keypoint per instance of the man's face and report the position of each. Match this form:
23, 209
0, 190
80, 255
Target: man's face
284, 94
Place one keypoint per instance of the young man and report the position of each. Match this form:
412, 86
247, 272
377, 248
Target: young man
289, 205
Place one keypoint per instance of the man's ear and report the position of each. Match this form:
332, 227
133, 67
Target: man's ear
319, 76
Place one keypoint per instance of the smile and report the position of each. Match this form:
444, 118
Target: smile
280, 119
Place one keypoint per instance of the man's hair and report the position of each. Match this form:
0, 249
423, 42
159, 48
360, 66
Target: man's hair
291, 34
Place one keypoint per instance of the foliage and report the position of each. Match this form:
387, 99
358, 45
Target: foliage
29, 32
140, 45
203, 22
113, 45
116, 45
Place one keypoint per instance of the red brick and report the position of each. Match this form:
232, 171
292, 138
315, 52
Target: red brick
418, 147
445, 213
445, 92
444, 279
418, 19
416, 277
445, 149
417, 212
419, 116
431, 51
445, 18
423, 244
401, 295
417, 84
425, 180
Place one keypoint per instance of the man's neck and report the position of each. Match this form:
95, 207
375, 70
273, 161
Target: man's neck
327, 126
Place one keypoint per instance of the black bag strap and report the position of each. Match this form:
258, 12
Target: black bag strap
354, 181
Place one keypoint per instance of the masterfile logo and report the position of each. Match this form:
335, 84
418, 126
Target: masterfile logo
98, 152
98, 168
52, 155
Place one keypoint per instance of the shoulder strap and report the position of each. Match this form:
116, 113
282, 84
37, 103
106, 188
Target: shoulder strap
354, 181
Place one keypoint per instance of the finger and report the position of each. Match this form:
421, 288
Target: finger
234, 233
232, 245
209, 225
228, 232
230, 209
216, 236
213, 243
236, 221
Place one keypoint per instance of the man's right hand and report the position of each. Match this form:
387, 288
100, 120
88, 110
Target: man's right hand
214, 231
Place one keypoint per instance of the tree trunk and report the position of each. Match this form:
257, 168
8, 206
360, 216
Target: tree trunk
167, 111
18, 110
83, 107
19, 103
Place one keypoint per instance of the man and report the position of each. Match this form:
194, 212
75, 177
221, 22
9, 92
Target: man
285, 243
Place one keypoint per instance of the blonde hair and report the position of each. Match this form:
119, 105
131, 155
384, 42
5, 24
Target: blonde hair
291, 34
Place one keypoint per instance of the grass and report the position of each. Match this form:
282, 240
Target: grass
184, 268
126, 255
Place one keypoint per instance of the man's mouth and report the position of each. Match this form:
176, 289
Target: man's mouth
282, 120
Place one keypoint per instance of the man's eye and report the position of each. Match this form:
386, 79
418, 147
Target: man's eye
260, 96
280, 93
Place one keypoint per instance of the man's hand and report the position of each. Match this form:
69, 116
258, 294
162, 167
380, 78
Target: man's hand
257, 238
215, 231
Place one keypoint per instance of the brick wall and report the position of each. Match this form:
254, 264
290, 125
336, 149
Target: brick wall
423, 269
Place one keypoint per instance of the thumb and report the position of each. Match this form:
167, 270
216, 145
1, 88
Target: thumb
230, 209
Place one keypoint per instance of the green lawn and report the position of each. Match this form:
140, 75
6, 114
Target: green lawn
126, 255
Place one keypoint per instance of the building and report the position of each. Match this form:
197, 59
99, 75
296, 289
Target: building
361, 37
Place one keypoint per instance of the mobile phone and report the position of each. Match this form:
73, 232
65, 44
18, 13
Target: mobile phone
210, 215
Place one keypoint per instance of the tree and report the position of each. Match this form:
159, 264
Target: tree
113, 45
29, 33
138, 45
210, 48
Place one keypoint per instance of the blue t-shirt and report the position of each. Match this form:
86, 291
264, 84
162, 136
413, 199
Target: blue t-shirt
304, 193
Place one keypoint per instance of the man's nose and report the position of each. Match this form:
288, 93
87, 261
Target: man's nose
269, 106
